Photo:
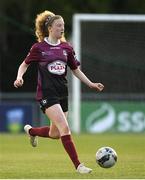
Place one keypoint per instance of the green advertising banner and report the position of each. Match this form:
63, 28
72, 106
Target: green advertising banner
123, 116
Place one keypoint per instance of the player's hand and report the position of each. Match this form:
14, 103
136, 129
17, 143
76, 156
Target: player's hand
18, 83
97, 86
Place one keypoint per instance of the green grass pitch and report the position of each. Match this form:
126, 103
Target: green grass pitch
49, 160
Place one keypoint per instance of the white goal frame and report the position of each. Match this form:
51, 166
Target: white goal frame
76, 86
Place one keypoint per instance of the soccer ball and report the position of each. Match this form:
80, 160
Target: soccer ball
106, 157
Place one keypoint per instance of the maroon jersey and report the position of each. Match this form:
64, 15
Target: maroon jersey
52, 63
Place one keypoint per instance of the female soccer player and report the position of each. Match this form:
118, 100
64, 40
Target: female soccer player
53, 55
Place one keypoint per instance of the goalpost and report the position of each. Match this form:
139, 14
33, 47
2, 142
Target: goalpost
77, 20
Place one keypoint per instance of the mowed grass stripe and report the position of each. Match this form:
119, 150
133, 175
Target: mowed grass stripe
49, 160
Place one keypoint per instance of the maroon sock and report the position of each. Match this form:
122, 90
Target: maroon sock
70, 149
41, 131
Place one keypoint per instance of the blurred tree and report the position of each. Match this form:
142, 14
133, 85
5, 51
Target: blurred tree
127, 6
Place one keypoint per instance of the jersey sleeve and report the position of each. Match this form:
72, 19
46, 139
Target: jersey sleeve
33, 55
73, 63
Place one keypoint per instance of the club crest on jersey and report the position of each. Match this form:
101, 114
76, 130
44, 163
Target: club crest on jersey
57, 67
64, 53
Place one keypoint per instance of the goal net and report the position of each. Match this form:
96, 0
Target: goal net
111, 49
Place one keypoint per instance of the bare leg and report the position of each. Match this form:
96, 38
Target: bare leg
54, 132
46, 131
58, 129
58, 117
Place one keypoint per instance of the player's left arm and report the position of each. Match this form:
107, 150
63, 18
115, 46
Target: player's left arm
80, 75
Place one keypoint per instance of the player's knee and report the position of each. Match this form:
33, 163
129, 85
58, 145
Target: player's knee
54, 135
65, 130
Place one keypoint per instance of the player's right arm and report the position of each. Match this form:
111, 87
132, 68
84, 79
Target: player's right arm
33, 56
21, 71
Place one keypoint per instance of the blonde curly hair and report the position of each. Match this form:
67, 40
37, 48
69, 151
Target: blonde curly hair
40, 25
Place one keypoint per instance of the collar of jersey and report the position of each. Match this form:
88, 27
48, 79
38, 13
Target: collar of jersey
46, 40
